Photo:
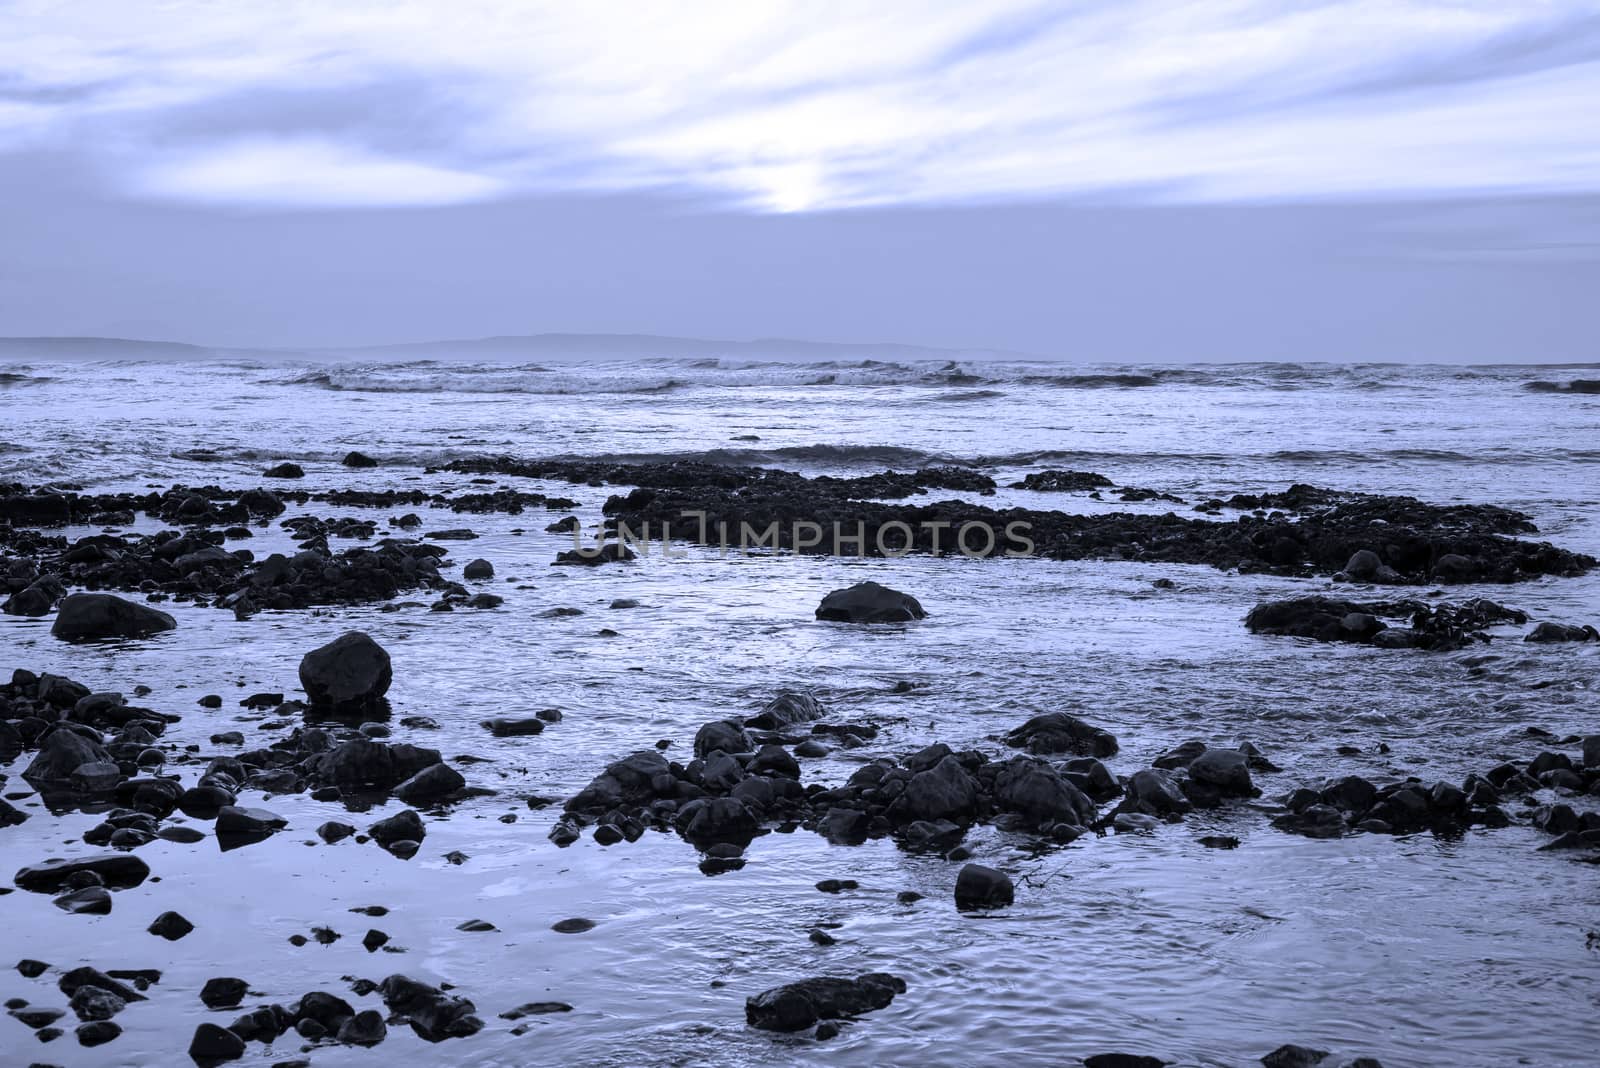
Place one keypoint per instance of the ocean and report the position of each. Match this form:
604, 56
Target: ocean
1415, 949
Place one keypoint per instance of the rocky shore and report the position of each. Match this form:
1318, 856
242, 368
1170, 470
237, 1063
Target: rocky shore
1051, 781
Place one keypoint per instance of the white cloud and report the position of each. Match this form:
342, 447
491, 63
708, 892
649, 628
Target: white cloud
806, 106
307, 173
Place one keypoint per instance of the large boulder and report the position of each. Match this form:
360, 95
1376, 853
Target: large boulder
796, 1006
349, 674
94, 616
716, 820
868, 602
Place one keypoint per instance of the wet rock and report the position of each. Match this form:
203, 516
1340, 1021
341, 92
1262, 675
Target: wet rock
868, 602
1057, 481
430, 784
1292, 1056
478, 570
213, 1045
96, 616
944, 791
786, 710
982, 887
350, 673
1154, 792
797, 1006
171, 926
1122, 1060
36, 1018
365, 1028
97, 1033
574, 925
405, 826
710, 820
223, 992
117, 871
535, 1008
508, 727
1059, 732
61, 753
31, 969
284, 470
725, 735
433, 1014
91, 1002
245, 826
1037, 791
78, 978
90, 901
1562, 632
1225, 769
358, 459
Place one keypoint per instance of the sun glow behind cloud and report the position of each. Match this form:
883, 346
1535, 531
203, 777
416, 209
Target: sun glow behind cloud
804, 107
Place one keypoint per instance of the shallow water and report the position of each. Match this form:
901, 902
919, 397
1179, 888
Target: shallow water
1413, 950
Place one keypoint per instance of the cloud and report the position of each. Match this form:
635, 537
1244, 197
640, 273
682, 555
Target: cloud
301, 173
807, 106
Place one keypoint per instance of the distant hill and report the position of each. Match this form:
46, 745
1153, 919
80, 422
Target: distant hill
99, 348
550, 347
634, 346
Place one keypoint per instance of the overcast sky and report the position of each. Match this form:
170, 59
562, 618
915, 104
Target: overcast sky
1144, 181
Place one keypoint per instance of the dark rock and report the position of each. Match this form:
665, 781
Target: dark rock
350, 673
575, 925
91, 1002
213, 1045
1059, 732
284, 470
116, 870
868, 602
358, 459
365, 1028
1562, 632
402, 826
433, 1014
61, 753
981, 887
786, 710
223, 992
797, 1006
78, 978
430, 784
90, 901
507, 727
1292, 1056
171, 926
95, 616
535, 1008
478, 570
97, 1033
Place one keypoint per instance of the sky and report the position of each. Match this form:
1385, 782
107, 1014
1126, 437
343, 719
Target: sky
1233, 179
